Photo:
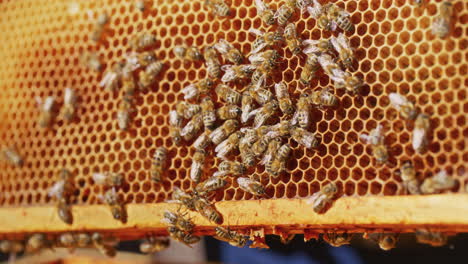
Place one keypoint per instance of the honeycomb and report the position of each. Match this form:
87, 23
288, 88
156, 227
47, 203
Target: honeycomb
41, 46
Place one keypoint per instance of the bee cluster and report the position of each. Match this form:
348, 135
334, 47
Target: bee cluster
241, 116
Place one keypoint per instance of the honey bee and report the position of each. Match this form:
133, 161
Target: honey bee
83, 240
227, 94
175, 119
437, 183
196, 169
47, 111
270, 153
207, 210
250, 136
208, 113
246, 106
182, 237
323, 197
202, 141
284, 12
99, 26
210, 185
69, 104
191, 53
228, 51
328, 64
435, 239
441, 23
236, 72
352, 84
159, 164
319, 13
108, 178
91, 61
194, 90
339, 18
63, 188
187, 110
408, 176
37, 242
66, 240
264, 113
265, 60
218, 7
64, 211
386, 241
152, 245
148, 76
292, 40
251, 186
12, 156
178, 220
101, 244
264, 39
111, 80
142, 41
345, 52
224, 131
116, 205
337, 240
213, 66
376, 141
228, 145
302, 5
12, 247
194, 126
310, 68
317, 47
230, 168
324, 98
281, 129
135, 60
261, 96
175, 135
233, 238
260, 146
229, 112
421, 129
124, 113
128, 82
266, 14
302, 114
183, 198
246, 154
279, 163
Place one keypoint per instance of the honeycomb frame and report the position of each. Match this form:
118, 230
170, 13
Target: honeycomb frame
42, 43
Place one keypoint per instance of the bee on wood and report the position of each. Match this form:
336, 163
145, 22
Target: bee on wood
229, 112
124, 113
47, 111
228, 51
99, 27
345, 52
210, 185
11, 247
149, 74
69, 104
266, 14
435, 239
228, 145
236, 72
233, 168
437, 183
227, 94
191, 53
263, 40
213, 66
303, 109
441, 23
109, 179
218, 7
112, 78
284, 12
191, 129
100, 243
207, 210
292, 40
159, 164
153, 245
183, 198
409, 178
224, 131
62, 190
66, 240
117, 207
406, 108
187, 110
12, 156
386, 241
420, 137
324, 98
310, 68
196, 170
194, 90
182, 237
37, 242
233, 238
376, 140
251, 186
142, 41
178, 220
317, 47
323, 197
83, 240
337, 240
246, 106
305, 138
202, 141
91, 61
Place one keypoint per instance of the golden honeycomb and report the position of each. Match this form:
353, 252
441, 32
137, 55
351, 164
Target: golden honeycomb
41, 43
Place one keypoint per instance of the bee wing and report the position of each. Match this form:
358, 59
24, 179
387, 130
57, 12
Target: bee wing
261, 6
343, 41
256, 32
396, 100
196, 167
131, 61
419, 137
56, 189
222, 145
243, 182
257, 58
99, 178
222, 46
336, 44
229, 74
267, 158
48, 103
109, 77
69, 96
333, 25
253, 113
190, 91
220, 173
174, 118
315, 11
365, 137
